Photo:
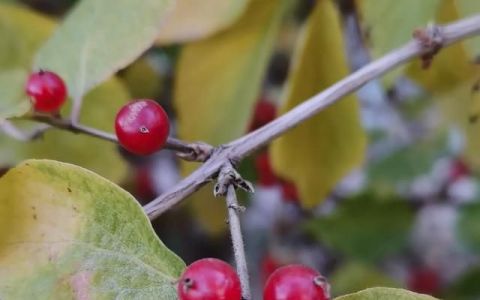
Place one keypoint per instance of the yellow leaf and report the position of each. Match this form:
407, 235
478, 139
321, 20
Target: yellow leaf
193, 19
450, 79
469, 8
218, 80
441, 76
472, 147
210, 212
22, 32
142, 80
319, 152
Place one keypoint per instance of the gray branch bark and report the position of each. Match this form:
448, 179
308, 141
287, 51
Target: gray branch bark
238, 149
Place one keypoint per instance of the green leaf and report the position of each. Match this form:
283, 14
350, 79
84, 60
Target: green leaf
381, 293
404, 17
321, 151
388, 33
218, 79
21, 31
192, 19
67, 233
465, 287
408, 162
102, 157
100, 37
354, 276
13, 102
469, 224
365, 228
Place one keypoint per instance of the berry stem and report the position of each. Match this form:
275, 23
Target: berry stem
64, 124
237, 241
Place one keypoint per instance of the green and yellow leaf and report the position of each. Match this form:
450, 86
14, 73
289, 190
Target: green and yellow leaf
67, 233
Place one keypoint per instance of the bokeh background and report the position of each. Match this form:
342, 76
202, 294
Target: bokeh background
406, 213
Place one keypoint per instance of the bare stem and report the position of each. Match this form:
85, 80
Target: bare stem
237, 241
187, 151
238, 149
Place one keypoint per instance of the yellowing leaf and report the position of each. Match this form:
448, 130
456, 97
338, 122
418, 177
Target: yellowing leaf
218, 79
318, 153
102, 157
22, 31
381, 293
100, 37
193, 19
67, 233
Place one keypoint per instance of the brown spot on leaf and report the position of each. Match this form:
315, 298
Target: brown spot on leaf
69, 189
34, 216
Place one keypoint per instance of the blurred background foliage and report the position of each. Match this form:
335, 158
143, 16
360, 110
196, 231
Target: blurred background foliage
379, 189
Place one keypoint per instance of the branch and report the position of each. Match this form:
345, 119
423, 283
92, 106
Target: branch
191, 152
245, 145
237, 241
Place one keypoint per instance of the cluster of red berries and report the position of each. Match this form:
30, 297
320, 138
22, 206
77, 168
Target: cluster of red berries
213, 279
142, 126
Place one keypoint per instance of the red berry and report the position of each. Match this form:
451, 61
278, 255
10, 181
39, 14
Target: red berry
144, 185
424, 280
47, 91
266, 177
296, 282
265, 112
289, 191
209, 279
458, 170
142, 127
268, 265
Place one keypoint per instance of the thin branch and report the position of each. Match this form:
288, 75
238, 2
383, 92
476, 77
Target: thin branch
237, 241
22, 135
245, 145
192, 151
